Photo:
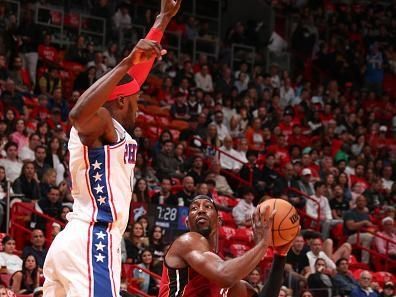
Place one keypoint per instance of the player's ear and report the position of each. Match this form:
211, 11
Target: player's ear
187, 224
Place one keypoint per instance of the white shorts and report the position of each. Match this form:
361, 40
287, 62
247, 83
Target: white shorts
84, 260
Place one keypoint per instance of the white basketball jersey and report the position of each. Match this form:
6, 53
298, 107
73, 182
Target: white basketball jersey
102, 179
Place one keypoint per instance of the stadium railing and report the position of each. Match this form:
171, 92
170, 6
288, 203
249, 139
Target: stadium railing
21, 215
133, 286
387, 261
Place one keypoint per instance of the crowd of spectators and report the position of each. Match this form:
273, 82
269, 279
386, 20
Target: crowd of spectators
246, 134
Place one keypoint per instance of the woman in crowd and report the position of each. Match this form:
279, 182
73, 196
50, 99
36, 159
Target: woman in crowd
254, 278
20, 136
141, 192
43, 132
9, 262
27, 183
136, 243
146, 283
27, 279
55, 157
157, 245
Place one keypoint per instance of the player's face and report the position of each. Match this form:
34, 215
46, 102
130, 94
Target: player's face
202, 217
131, 110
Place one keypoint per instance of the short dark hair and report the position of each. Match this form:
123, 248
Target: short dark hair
318, 184
10, 144
338, 262
40, 147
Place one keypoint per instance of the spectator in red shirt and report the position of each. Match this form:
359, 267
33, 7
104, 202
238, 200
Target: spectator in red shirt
46, 51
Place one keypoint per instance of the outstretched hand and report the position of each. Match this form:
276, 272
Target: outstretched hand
145, 50
170, 7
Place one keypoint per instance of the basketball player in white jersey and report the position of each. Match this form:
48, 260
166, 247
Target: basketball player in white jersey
85, 259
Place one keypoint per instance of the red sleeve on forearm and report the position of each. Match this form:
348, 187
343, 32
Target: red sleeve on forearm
141, 71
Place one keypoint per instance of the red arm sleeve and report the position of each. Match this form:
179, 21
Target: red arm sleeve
140, 72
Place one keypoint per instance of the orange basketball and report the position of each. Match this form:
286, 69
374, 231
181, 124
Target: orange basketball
286, 221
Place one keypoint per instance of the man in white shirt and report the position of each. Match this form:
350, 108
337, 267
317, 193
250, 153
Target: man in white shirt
318, 207
317, 252
242, 212
11, 164
222, 130
226, 160
27, 152
203, 79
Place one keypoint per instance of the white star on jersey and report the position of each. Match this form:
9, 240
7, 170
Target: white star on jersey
99, 257
100, 246
101, 235
96, 165
99, 189
101, 200
98, 176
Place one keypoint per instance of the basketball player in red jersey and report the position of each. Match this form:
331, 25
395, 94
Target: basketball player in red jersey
192, 267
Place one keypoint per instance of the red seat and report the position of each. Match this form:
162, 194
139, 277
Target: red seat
238, 249
227, 201
227, 219
382, 277
2, 235
226, 234
5, 278
355, 264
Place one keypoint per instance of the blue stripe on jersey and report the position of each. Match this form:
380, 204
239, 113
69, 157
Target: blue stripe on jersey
97, 179
100, 261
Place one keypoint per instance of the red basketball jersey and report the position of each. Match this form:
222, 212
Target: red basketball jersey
185, 282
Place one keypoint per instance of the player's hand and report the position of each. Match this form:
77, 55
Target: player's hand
284, 249
262, 224
145, 50
170, 7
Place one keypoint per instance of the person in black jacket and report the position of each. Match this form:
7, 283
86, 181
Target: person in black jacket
51, 205
319, 282
27, 183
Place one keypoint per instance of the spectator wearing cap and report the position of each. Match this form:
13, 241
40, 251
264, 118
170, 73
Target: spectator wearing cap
305, 183
357, 220
388, 291
318, 208
381, 242
344, 281
203, 79
243, 211
364, 288
229, 158
286, 125
11, 163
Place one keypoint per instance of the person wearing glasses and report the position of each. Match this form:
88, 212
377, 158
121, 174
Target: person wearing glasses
364, 289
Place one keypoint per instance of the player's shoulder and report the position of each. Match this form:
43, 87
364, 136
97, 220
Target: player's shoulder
191, 240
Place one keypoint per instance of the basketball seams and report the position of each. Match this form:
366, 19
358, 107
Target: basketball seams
284, 218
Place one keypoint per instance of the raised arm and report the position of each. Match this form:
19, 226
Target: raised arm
169, 9
91, 120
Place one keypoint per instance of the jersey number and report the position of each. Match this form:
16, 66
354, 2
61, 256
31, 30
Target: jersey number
130, 153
